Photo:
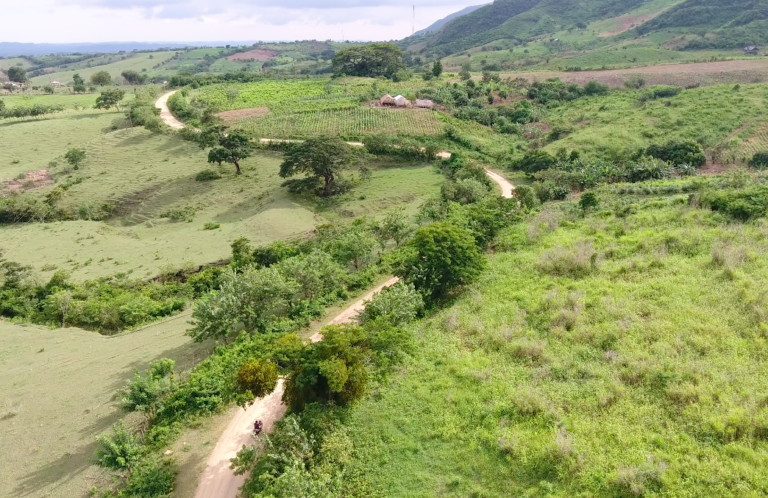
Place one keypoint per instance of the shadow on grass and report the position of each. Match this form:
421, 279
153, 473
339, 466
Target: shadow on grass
60, 471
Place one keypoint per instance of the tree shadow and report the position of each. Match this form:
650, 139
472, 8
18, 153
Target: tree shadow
62, 470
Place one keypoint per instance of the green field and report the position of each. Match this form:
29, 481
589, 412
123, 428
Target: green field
13, 61
136, 62
68, 101
57, 396
552, 377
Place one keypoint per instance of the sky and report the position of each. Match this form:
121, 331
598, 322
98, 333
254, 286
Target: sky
72, 21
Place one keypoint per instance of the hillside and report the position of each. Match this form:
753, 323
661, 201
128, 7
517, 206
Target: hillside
442, 22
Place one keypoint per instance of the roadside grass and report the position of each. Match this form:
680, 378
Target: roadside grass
609, 126
161, 211
33, 144
136, 62
638, 372
60, 386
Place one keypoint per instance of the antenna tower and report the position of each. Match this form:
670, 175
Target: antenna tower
413, 26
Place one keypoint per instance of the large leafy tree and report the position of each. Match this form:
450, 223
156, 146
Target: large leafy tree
321, 157
110, 98
374, 59
440, 258
101, 78
17, 74
230, 147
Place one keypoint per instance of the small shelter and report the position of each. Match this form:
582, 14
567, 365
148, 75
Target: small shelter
751, 50
425, 104
56, 84
401, 101
387, 101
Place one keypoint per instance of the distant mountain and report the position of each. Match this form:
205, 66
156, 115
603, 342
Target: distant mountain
442, 22
8, 49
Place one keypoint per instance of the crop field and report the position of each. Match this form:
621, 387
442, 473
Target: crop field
57, 396
62, 98
136, 62
756, 140
606, 126
640, 376
345, 123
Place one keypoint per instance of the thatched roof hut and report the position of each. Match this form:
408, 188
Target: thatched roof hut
401, 101
425, 104
387, 100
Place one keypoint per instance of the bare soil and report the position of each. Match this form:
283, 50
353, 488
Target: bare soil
702, 73
237, 115
625, 23
259, 55
31, 180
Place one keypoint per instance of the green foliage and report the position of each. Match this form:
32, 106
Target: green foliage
679, 152
437, 69
24, 111
257, 379
75, 156
134, 77
759, 160
395, 227
17, 74
440, 258
274, 253
589, 200
232, 148
741, 204
373, 60
152, 477
101, 78
144, 394
396, 305
554, 91
119, 449
110, 98
321, 157
535, 161
593, 88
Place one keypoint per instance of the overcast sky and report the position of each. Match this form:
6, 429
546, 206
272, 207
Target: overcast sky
60, 21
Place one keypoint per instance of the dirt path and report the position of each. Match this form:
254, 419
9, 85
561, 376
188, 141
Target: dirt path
165, 113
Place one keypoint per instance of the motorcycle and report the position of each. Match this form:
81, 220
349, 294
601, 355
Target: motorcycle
257, 427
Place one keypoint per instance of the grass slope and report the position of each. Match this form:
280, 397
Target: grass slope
643, 377
136, 62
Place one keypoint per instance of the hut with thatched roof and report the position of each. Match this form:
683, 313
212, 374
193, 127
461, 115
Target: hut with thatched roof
401, 101
425, 104
387, 101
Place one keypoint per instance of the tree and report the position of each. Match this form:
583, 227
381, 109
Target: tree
398, 305
75, 156
374, 59
77, 80
144, 394
232, 148
101, 78
321, 157
17, 74
440, 258
437, 69
256, 379
110, 98
395, 226
119, 449
48, 89
134, 77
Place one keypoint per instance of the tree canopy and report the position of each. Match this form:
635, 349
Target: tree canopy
134, 77
230, 147
17, 74
110, 98
101, 78
321, 157
374, 59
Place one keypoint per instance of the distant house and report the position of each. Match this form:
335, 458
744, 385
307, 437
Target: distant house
401, 101
751, 50
425, 104
387, 101
57, 84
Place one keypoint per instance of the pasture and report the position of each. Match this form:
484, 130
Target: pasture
58, 394
136, 61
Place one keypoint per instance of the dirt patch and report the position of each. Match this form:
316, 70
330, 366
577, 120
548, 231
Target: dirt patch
254, 112
259, 55
625, 23
699, 73
31, 180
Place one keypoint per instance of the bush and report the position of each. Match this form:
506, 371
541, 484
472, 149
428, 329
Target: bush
745, 204
679, 152
576, 262
759, 160
465, 191
440, 258
119, 449
207, 175
256, 379
535, 161
152, 478
595, 88
589, 200
647, 168
398, 305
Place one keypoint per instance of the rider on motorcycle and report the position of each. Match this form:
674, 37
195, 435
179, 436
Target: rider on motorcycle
257, 426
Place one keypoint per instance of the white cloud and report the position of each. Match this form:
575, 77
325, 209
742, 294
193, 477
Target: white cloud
51, 21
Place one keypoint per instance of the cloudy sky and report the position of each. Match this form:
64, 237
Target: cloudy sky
60, 21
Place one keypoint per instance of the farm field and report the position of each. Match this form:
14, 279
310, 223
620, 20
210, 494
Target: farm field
136, 62
67, 100
58, 395
548, 380
346, 123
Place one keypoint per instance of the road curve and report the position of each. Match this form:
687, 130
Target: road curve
165, 113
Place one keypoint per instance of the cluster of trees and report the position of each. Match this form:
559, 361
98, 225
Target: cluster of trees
24, 111
373, 60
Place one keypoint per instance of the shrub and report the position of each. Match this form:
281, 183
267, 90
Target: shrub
647, 168
595, 88
577, 262
535, 161
679, 152
589, 200
759, 160
398, 304
440, 258
207, 175
211, 226
152, 478
256, 379
465, 191
119, 449
745, 204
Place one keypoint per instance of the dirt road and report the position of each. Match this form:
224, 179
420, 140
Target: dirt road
165, 113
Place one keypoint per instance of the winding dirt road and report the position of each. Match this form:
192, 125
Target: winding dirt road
218, 480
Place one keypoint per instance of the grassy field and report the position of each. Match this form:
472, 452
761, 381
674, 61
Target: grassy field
57, 396
13, 61
640, 374
135, 62
69, 101
607, 126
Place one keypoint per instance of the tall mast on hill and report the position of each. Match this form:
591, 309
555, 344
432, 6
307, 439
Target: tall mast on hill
413, 26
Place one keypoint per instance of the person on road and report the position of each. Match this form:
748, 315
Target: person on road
257, 426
